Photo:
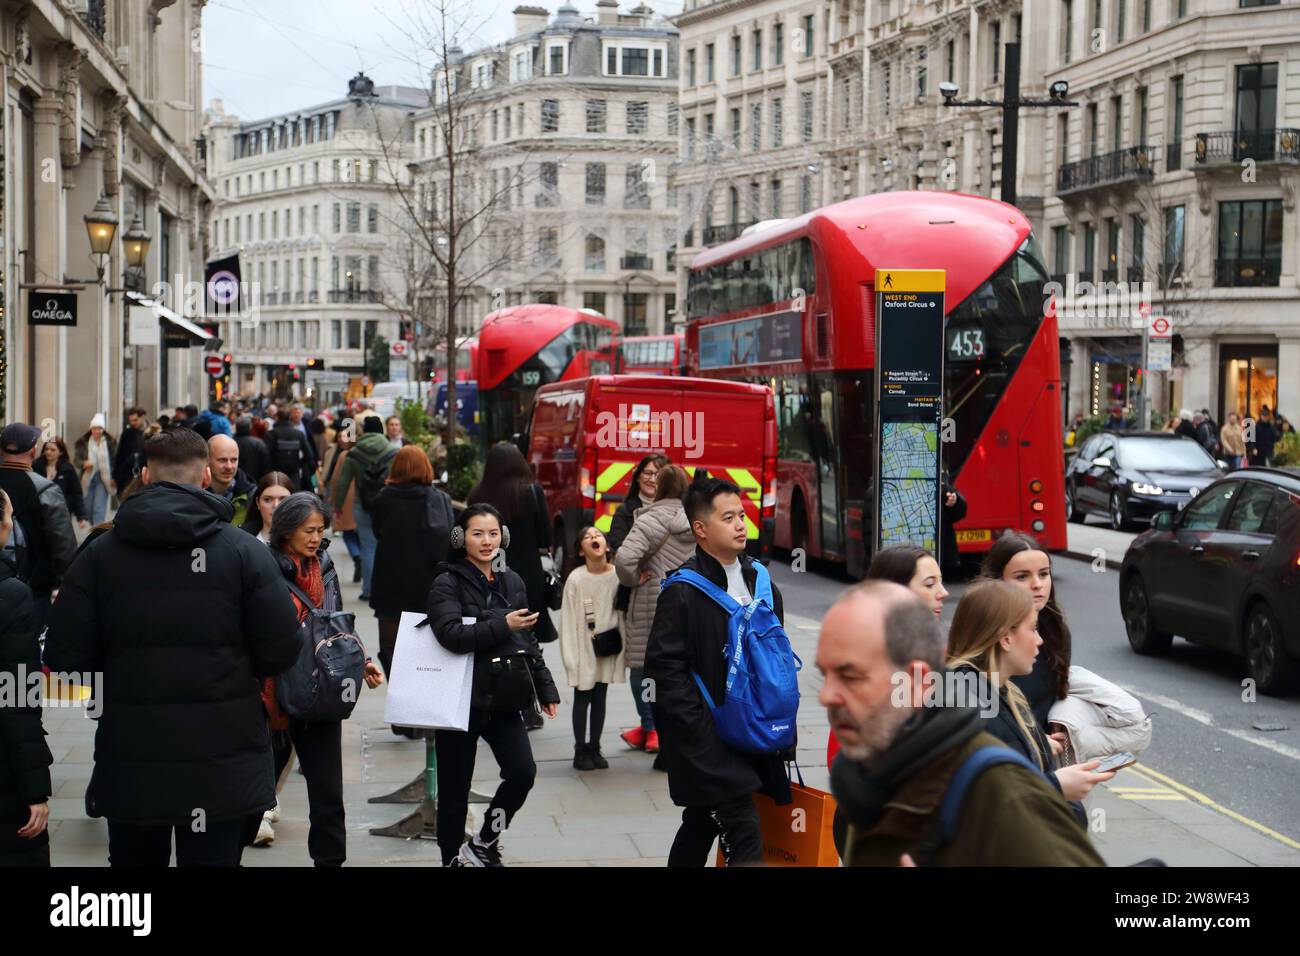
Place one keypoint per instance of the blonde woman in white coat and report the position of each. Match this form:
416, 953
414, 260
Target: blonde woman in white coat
588, 610
660, 541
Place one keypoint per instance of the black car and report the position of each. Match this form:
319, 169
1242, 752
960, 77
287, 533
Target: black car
1225, 572
1133, 476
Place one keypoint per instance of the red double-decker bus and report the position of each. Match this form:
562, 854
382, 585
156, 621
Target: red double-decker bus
524, 347
651, 355
792, 305
466, 358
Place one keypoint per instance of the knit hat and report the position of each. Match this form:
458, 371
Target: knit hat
98, 421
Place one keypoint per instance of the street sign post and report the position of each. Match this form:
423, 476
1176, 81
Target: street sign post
909, 406
214, 365
1157, 355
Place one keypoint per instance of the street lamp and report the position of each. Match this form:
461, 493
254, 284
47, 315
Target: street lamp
101, 227
1011, 104
137, 242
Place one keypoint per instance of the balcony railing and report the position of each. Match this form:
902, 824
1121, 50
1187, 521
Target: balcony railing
354, 295
95, 16
1235, 146
724, 233
1257, 271
1122, 165
636, 262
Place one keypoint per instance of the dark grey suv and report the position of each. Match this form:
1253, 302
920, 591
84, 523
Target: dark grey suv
1224, 572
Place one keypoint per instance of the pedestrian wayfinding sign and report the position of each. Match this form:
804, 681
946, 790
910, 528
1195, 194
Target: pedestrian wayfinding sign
909, 405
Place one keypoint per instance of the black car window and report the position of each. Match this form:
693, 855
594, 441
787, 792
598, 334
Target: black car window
1164, 454
1204, 513
1251, 508
1284, 516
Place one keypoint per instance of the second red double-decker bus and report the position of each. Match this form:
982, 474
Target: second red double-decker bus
793, 306
524, 347
651, 355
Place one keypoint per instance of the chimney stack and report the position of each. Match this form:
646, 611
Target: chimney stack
607, 13
531, 19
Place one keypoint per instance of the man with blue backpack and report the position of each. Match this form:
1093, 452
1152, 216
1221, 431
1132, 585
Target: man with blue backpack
723, 684
917, 778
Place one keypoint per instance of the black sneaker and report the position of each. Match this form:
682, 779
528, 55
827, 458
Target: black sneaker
474, 853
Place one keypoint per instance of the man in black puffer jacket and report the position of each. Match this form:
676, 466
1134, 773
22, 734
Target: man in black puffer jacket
476, 609
24, 757
182, 613
713, 783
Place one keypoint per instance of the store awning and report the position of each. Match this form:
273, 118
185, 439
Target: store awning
177, 320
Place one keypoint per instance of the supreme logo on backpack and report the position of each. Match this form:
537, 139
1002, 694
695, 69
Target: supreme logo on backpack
758, 713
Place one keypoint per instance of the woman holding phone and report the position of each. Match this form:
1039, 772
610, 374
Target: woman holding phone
481, 609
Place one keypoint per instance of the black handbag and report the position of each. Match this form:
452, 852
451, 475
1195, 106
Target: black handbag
606, 643
510, 682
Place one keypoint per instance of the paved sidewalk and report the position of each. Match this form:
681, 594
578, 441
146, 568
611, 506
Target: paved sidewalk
1088, 542
617, 817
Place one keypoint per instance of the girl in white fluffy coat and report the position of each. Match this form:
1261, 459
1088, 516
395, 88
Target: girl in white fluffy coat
588, 610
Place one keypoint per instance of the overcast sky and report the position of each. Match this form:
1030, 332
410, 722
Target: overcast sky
266, 57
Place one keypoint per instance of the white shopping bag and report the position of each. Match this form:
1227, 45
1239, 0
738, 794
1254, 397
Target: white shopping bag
430, 686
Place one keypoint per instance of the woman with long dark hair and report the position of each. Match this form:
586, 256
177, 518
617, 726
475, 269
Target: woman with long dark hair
508, 486
272, 488
1019, 559
55, 465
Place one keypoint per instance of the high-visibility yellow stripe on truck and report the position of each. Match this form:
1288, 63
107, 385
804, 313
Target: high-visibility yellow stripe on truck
612, 475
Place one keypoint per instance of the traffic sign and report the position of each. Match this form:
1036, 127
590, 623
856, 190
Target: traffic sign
1160, 327
215, 365
398, 349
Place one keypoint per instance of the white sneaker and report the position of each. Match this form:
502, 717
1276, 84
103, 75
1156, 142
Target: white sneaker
265, 835
273, 814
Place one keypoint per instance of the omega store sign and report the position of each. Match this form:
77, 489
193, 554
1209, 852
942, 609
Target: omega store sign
51, 308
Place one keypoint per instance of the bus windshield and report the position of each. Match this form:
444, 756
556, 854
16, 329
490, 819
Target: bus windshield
985, 338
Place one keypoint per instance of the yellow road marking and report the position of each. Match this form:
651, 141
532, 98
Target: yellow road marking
1152, 776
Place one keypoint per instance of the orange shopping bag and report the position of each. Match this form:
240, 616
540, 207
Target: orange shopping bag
798, 833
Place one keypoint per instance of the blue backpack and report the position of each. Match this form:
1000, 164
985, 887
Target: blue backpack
762, 702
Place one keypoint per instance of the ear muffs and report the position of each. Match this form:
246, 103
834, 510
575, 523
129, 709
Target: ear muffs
458, 537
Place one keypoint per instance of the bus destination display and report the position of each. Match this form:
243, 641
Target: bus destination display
777, 337
910, 349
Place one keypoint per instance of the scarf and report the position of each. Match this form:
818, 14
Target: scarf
864, 790
307, 575
97, 455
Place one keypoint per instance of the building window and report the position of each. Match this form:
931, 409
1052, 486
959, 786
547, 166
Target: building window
1174, 126
1092, 130
1089, 271
548, 246
756, 127
557, 59
886, 91
354, 217
775, 193
808, 21
1257, 103
995, 49
922, 72
690, 67
1110, 271
709, 59
1175, 229
1116, 122
594, 253
634, 313
595, 184
806, 105
1121, 19
636, 194
638, 114
758, 50
735, 127
550, 116
777, 121
548, 184
1137, 248
1060, 253
778, 44
595, 116
674, 112
372, 218
1250, 243
1141, 117
1067, 30
594, 301
690, 137
735, 55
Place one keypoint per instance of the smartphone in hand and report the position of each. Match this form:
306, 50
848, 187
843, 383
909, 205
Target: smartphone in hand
1115, 762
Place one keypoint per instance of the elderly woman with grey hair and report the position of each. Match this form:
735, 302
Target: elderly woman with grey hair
299, 544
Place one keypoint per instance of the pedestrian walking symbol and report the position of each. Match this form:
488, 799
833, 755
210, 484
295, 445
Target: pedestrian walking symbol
889, 280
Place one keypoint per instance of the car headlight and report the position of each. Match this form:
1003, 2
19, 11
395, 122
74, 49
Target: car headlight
1142, 488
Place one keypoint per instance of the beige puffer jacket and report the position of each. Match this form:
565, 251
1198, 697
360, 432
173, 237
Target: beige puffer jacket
660, 540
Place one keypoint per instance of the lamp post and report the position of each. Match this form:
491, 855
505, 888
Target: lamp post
1011, 104
101, 227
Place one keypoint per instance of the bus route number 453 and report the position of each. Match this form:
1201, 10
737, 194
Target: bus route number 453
966, 344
